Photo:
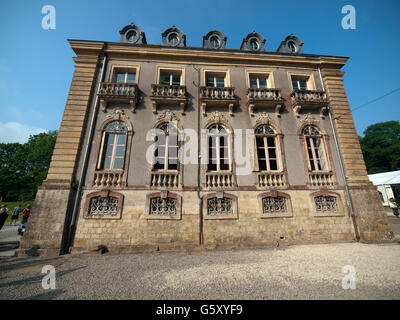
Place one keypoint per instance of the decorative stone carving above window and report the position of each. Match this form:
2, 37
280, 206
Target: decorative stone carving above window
220, 205
163, 205
253, 42
214, 40
274, 204
173, 37
104, 204
291, 44
132, 34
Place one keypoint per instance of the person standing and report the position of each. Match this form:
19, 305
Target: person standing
26, 213
17, 210
3, 215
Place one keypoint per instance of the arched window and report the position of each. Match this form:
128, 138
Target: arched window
166, 153
218, 148
266, 145
315, 149
112, 153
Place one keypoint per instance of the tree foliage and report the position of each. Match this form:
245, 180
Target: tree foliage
381, 147
23, 167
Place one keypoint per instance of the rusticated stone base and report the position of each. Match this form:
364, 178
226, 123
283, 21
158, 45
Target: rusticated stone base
371, 220
47, 226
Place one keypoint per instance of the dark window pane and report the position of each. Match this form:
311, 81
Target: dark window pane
176, 79
263, 83
295, 85
210, 82
224, 166
260, 142
173, 165
273, 165
271, 142
164, 78
262, 165
220, 82
212, 166
253, 83
131, 78
272, 152
303, 84
261, 153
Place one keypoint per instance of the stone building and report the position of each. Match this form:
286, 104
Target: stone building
170, 147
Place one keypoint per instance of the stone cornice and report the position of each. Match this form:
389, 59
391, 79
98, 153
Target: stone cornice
205, 56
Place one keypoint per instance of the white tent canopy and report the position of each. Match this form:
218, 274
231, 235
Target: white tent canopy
392, 177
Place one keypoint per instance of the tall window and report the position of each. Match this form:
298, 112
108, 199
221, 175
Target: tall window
170, 77
125, 77
218, 148
258, 81
112, 152
299, 83
215, 79
315, 148
267, 155
166, 153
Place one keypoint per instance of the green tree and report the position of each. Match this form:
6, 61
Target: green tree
381, 147
23, 167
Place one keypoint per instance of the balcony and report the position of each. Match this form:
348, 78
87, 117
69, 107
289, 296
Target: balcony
217, 97
321, 179
164, 180
108, 179
309, 99
263, 97
118, 92
215, 180
168, 95
270, 179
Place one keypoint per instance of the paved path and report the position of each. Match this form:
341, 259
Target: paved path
9, 240
295, 272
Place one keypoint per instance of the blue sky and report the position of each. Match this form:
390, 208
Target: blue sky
36, 65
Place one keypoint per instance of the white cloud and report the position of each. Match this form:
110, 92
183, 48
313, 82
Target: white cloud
17, 132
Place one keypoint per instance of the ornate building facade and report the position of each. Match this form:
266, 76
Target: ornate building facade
168, 147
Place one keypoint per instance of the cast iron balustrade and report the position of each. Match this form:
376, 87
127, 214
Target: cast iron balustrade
217, 96
108, 178
219, 180
311, 99
168, 95
118, 92
321, 179
271, 179
263, 97
164, 179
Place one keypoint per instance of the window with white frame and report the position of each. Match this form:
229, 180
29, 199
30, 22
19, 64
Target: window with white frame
166, 153
170, 77
258, 81
215, 79
266, 145
299, 83
112, 153
218, 148
315, 148
125, 76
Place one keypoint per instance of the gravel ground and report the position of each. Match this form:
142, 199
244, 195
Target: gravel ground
295, 272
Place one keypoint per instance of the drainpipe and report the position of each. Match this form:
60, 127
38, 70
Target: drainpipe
340, 159
72, 226
198, 158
